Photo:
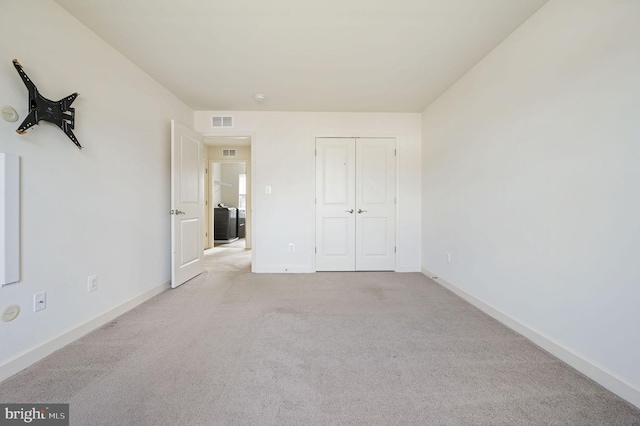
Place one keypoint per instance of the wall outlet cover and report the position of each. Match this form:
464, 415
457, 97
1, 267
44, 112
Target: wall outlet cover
92, 283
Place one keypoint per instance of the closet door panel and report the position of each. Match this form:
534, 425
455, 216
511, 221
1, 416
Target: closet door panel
375, 204
335, 200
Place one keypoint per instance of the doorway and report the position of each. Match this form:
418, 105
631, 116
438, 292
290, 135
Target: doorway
355, 204
228, 203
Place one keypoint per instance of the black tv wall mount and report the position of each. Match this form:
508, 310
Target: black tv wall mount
59, 112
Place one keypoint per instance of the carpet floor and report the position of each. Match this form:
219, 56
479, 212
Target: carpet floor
232, 257
234, 348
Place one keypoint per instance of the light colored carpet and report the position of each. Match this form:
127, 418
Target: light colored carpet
234, 348
232, 257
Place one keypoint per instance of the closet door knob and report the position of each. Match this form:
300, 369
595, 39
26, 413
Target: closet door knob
349, 211
361, 211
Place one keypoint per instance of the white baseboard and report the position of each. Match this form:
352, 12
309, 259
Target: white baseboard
31, 356
282, 270
586, 366
306, 270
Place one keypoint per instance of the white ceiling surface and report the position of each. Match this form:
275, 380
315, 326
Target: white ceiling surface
330, 55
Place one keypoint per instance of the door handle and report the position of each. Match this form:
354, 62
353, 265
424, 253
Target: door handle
177, 212
361, 211
349, 211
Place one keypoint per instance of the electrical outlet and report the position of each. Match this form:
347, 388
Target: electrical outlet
92, 283
40, 301
292, 247
448, 257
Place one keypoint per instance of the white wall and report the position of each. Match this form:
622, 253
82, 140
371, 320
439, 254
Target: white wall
283, 145
531, 177
102, 210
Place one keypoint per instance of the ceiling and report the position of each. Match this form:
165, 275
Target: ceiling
330, 55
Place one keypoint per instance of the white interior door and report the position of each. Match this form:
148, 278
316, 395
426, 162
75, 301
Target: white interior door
355, 204
187, 204
375, 204
335, 204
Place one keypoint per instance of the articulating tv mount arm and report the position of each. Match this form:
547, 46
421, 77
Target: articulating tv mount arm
59, 112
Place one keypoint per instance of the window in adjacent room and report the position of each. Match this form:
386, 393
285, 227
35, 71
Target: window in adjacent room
242, 191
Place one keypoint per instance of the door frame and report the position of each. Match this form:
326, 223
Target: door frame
397, 185
207, 204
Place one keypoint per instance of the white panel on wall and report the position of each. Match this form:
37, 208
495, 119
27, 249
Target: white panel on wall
9, 218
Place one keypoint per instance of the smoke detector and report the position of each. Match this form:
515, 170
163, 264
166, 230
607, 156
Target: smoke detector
259, 97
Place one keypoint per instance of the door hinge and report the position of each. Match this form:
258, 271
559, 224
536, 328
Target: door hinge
395, 152
315, 152
395, 249
316, 249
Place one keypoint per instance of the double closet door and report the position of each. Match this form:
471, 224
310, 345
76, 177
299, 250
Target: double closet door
355, 204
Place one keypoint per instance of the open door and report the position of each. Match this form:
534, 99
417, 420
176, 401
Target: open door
187, 204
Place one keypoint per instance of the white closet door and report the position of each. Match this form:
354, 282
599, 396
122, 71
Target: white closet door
335, 204
355, 204
375, 204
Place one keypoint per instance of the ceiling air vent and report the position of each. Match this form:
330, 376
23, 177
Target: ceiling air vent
228, 152
221, 121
